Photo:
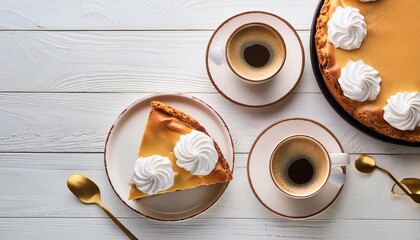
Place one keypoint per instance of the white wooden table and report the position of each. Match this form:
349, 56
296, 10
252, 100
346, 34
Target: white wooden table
68, 68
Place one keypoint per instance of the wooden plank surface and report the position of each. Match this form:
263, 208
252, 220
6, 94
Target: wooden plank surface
116, 61
241, 229
79, 122
140, 15
34, 185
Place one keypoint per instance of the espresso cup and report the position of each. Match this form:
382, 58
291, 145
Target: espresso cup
255, 52
300, 166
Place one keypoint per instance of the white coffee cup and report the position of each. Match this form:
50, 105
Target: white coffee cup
255, 52
300, 166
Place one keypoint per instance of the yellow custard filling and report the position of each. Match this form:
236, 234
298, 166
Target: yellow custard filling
394, 54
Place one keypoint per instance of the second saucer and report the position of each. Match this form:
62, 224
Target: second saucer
295, 205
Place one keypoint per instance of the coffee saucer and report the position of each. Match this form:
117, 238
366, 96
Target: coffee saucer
229, 85
260, 179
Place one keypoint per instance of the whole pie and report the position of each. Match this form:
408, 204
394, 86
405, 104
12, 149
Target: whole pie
176, 153
369, 55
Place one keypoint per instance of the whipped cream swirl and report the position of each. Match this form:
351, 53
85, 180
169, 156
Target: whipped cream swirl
359, 81
153, 174
347, 28
195, 152
403, 110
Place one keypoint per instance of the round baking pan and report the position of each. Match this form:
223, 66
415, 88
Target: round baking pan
334, 104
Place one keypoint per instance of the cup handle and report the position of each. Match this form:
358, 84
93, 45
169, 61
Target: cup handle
337, 176
339, 159
217, 54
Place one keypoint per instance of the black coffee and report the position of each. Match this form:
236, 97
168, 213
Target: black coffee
256, 55
301, 171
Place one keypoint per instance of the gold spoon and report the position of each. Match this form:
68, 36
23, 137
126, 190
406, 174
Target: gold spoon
366, 164
88, 192
413, 184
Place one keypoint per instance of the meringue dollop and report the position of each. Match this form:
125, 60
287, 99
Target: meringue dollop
359, 81
153, 174
347, 28
195, 152
403, 110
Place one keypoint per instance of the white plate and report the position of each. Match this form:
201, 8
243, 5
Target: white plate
121, 151
260, 179
254, 95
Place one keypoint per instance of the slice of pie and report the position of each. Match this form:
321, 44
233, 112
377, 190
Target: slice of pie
176, 153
